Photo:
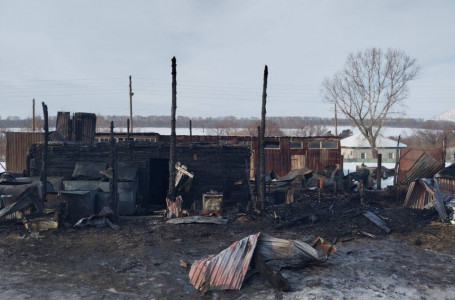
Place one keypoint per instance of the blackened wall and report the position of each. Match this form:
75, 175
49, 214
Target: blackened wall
215, 167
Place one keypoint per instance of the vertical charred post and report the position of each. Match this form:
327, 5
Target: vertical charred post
171, 190
45, 146
33, 115
127, 129
113, 179
261, 190
191, 132
131, 103
379, 172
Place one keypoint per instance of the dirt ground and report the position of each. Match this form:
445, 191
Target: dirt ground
142, 259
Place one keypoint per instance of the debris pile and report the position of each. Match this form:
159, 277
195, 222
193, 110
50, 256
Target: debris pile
266, 254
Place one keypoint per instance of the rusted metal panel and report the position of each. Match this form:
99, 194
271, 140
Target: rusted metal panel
409, 157
17, 145
425, 167
446, 180
226, 270
419, 195
447, 185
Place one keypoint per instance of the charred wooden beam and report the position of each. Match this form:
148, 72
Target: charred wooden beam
33, 115
127, 129
261, 189
191, 132
131, 103
171, 189
113, 195
379, 172
63, 125
44, 160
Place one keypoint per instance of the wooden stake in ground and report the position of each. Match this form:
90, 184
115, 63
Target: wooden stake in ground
396, 184
171, 189
45, 146
379, 172
131, 104
261, 186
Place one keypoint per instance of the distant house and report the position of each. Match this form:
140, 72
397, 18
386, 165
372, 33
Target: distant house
357, 148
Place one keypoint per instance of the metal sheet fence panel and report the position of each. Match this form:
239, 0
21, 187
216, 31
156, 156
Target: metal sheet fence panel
410, 156
447, 185
17, 145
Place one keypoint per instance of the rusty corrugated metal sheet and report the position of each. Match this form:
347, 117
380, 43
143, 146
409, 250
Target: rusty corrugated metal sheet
446, 185
425, 167
17, 145
226, 270
419, 195
409, 157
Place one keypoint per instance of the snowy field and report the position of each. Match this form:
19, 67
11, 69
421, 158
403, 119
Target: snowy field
386, 131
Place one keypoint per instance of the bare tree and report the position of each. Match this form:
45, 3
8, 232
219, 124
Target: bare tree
370, 86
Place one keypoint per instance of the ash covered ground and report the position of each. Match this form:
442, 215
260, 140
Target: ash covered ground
142, 259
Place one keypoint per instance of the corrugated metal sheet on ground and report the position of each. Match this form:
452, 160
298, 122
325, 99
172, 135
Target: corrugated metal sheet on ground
425, 167
226, 270
425, 193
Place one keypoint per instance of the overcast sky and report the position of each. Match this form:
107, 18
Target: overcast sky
77, 55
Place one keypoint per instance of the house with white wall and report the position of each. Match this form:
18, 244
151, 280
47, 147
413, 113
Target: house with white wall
357, 148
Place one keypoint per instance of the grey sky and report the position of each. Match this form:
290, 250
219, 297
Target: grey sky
77, 55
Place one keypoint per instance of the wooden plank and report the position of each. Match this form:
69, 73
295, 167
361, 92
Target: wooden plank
376, 220
198, 219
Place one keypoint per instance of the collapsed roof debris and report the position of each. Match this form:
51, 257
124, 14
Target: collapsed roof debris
227, 270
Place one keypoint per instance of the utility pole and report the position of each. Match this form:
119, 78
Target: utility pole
261, 190
336, 120
33, 115
131, 105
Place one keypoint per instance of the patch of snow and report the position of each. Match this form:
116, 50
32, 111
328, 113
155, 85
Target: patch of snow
446, 116
358, 141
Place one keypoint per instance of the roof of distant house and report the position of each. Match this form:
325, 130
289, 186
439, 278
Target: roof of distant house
359, 141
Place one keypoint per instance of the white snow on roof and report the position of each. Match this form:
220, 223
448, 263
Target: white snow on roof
358, 141
446, 116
